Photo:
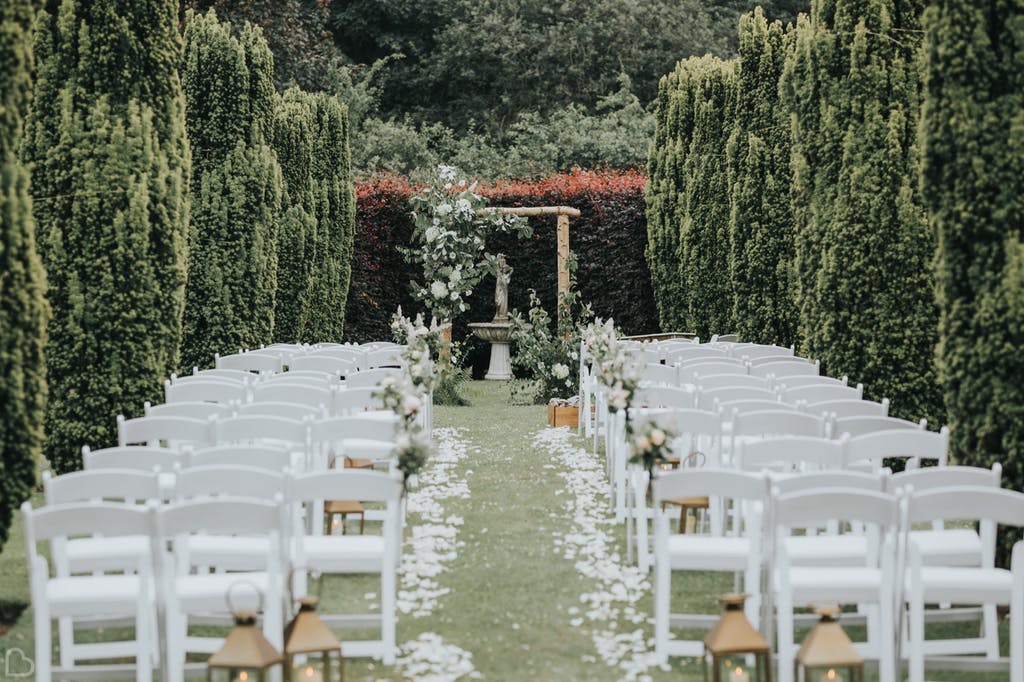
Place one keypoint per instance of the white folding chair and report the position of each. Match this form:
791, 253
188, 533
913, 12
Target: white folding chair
352, 554
707, 382
790, 454
252, 361
383, 357
690, 352
193, 410
799, 381
262, 456
238, 375
202, 389
738, 552
182, 592
689, 373
371, 377
156, 431
327, 364
267, 431
859, 426
709, 399
782, 369
78, 598
659, 375
293, 411
840, 409
351, 355
783, 421
753, 351
729, 407
295, 393
909, 443
139, 458
984, 585
816, 393
351, 402
869, 581
664, 396
363, 436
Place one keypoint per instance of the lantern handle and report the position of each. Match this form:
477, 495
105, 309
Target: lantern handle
291, 583
243, 581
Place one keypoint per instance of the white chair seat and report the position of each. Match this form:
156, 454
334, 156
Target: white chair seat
826, 550
826, 583
953, 547
208, 591
230, 553
960, 585
122, 553
344, 553
93, 595
701, 552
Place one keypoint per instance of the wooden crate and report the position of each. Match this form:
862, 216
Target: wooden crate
563, 415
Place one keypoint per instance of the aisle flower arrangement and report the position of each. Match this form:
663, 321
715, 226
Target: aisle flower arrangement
612, 365
448, 241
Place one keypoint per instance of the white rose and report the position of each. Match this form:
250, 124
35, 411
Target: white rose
432, 233
402, 442
455, 296
658, 437
412, 404
439, 290
643, 444
443, 209
618, 399
560, 371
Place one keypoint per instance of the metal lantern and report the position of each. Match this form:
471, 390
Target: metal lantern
827, 654
246, 655
733, 650
312, 652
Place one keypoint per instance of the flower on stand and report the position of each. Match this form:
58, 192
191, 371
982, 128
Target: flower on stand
649, 445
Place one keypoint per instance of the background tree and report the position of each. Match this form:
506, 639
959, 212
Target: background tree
863, 245
760, 224
973, 178
236, 184
23, 309
111, 170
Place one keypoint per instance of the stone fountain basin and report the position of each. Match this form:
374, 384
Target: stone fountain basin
495, 332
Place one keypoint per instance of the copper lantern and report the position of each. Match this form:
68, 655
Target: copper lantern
733, 650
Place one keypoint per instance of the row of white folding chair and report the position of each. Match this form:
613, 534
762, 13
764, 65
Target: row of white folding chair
257, 543
294, 401
330, 360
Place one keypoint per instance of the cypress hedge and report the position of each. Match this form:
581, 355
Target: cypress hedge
236, 188
23, 308
863, 244
110, 189
688, 203
973, 185
760, 223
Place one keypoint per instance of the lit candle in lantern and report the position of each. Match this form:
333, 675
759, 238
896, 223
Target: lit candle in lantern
309, 674
830, 676
738, 674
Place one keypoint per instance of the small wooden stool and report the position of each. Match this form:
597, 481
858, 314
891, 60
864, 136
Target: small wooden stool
685, 504
343, 508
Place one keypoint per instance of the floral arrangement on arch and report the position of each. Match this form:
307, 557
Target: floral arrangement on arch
546, 360
448, 241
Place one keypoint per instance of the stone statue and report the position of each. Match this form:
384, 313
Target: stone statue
502, 276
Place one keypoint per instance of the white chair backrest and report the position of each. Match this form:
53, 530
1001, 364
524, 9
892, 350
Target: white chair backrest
790, 453
351, 401
911, 443
724, 483
966, 502
237, 375
725, 338
296, 393
659, 375
931, 478
693, 422
140, 458
384, 357
193, 410
201, 389
235, 481
712, 381
295, 411
691, 373
337, 429
818, 506
664, 396
174, 431
817, 393
327, 364
858, 426
262, 456
781, 369
125, 485
833, 479
81, 519
250, 362
371, 377
777, 423
690, 353
302, 377
349, 354
250, 429
793, 381
709, 399
755, 351
345, 484
849, 408
730, 407
770, 359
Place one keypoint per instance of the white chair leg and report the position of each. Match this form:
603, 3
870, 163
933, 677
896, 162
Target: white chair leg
66, 639
44, 643
990, 625
387, 619
784, 609
915, 655
143, 643
1017, 615
662, 609
887, 643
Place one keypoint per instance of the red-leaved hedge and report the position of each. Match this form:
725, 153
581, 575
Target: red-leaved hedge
608, 240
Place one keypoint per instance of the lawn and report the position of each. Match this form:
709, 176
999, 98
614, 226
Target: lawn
532, 584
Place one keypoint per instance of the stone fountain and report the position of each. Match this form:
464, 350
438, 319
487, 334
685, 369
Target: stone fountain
496, 332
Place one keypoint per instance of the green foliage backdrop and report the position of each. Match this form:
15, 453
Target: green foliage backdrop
110, 191
23, 309
973, 180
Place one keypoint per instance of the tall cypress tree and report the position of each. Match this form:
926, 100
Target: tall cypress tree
704, 233
107, 140
23, 309
760, 224
294, 125
863, 244
334, 200
973, 184
229, 91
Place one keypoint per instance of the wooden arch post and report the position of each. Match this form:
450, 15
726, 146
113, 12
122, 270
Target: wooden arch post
563, 213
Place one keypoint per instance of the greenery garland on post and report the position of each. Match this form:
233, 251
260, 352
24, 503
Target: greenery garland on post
23, 309
236, 185
107, 141
973, 184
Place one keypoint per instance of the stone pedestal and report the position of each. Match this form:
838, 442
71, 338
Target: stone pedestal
497, 333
